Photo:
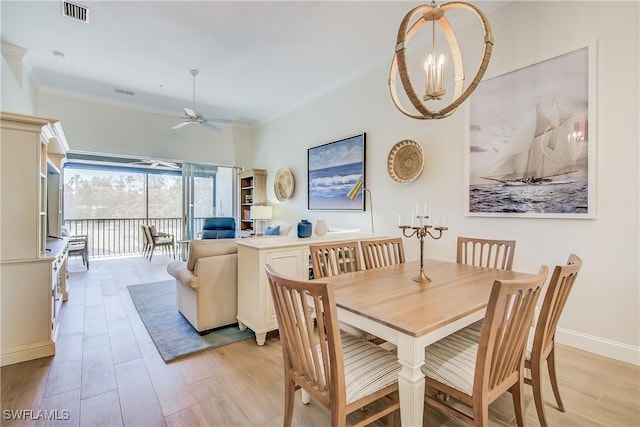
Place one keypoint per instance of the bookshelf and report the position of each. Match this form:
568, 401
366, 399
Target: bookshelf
253, 191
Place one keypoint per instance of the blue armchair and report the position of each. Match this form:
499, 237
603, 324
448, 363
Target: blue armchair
219, 228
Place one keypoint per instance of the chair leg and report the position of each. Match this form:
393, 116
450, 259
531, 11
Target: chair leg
480, 415
289, 398
536, 385
517, 392
551, 365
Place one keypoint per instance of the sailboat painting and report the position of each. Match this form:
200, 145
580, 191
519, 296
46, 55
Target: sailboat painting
529, 145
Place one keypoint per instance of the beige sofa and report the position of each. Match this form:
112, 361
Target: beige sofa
207, 283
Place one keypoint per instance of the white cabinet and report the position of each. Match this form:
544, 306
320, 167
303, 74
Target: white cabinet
33, 272
288, 256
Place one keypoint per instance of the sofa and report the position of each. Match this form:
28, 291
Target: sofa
207, 284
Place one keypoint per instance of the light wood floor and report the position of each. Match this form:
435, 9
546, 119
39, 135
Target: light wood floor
107, 372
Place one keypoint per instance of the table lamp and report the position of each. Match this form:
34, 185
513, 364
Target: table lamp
260, 215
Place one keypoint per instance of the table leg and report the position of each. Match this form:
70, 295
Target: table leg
411, 381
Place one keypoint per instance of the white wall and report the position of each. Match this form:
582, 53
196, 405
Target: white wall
603, 312
17, 94
101, 128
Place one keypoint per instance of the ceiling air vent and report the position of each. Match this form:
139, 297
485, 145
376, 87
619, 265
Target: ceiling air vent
75, 11
124, 92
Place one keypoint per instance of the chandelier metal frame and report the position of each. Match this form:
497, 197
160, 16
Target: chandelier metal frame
434, 14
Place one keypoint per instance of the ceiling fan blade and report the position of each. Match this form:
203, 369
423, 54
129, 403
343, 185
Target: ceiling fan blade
190, 113
210, 126
223, 121
181, 125
167, 164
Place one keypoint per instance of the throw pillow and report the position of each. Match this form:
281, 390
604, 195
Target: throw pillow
272, 231
153, 230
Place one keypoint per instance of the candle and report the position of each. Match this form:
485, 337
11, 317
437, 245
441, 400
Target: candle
428, 69
440, 84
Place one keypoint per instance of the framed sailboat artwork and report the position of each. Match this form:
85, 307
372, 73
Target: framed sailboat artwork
531, 142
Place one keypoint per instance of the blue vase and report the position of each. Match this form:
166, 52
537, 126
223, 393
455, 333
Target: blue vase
304, 228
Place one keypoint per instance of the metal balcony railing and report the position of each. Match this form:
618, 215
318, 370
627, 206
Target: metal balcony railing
115, 237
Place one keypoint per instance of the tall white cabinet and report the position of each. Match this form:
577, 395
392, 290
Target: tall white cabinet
33, 256
288, 256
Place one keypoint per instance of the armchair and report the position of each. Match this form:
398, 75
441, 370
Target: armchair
207, 284
219, 228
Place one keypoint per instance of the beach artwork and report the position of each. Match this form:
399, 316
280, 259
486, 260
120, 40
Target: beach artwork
529, 141
333, 169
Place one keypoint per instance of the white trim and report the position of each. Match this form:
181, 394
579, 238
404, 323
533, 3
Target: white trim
27, 352
601, 346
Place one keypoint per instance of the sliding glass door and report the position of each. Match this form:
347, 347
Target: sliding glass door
208, 191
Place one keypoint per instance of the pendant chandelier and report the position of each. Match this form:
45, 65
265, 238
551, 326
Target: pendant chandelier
434, 65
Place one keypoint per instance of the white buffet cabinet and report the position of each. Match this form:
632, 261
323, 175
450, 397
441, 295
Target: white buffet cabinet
287, 255
33, 254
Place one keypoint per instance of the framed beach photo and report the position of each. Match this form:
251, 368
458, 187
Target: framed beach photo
531, 149
333, 169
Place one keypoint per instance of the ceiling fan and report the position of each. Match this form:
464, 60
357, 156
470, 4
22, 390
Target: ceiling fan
191, 118
156, 163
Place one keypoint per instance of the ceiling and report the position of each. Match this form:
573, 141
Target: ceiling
257, 59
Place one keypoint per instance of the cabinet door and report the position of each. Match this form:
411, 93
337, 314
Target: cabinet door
288, 263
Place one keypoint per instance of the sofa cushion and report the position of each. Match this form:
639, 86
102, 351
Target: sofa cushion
206, 248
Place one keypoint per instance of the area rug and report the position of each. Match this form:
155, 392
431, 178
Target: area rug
172, 334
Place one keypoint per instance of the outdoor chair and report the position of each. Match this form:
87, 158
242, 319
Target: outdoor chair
79, 246
159, 239
340, 371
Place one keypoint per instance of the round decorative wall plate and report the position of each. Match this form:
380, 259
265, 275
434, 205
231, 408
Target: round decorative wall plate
283, 184
405, 161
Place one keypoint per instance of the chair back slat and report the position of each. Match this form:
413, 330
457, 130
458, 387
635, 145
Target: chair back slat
504, 332
335, 259
555, 299
381, 253
312, 355
486, 252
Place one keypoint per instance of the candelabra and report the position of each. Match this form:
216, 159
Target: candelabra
421, 232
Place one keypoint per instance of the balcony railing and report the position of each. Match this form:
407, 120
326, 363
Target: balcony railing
114, 237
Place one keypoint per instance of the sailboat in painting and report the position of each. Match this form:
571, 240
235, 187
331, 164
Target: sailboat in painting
543, 147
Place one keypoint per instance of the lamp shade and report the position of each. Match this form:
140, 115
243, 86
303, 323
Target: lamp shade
261, 212
353, 193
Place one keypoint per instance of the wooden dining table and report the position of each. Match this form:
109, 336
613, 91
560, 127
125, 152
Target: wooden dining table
387, 303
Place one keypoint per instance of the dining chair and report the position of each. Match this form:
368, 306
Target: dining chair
476, 370
335, 258
486, 252
383, 252
340, 371
543, 346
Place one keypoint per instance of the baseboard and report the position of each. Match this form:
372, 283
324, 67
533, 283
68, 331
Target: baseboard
27, 352
603, 347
